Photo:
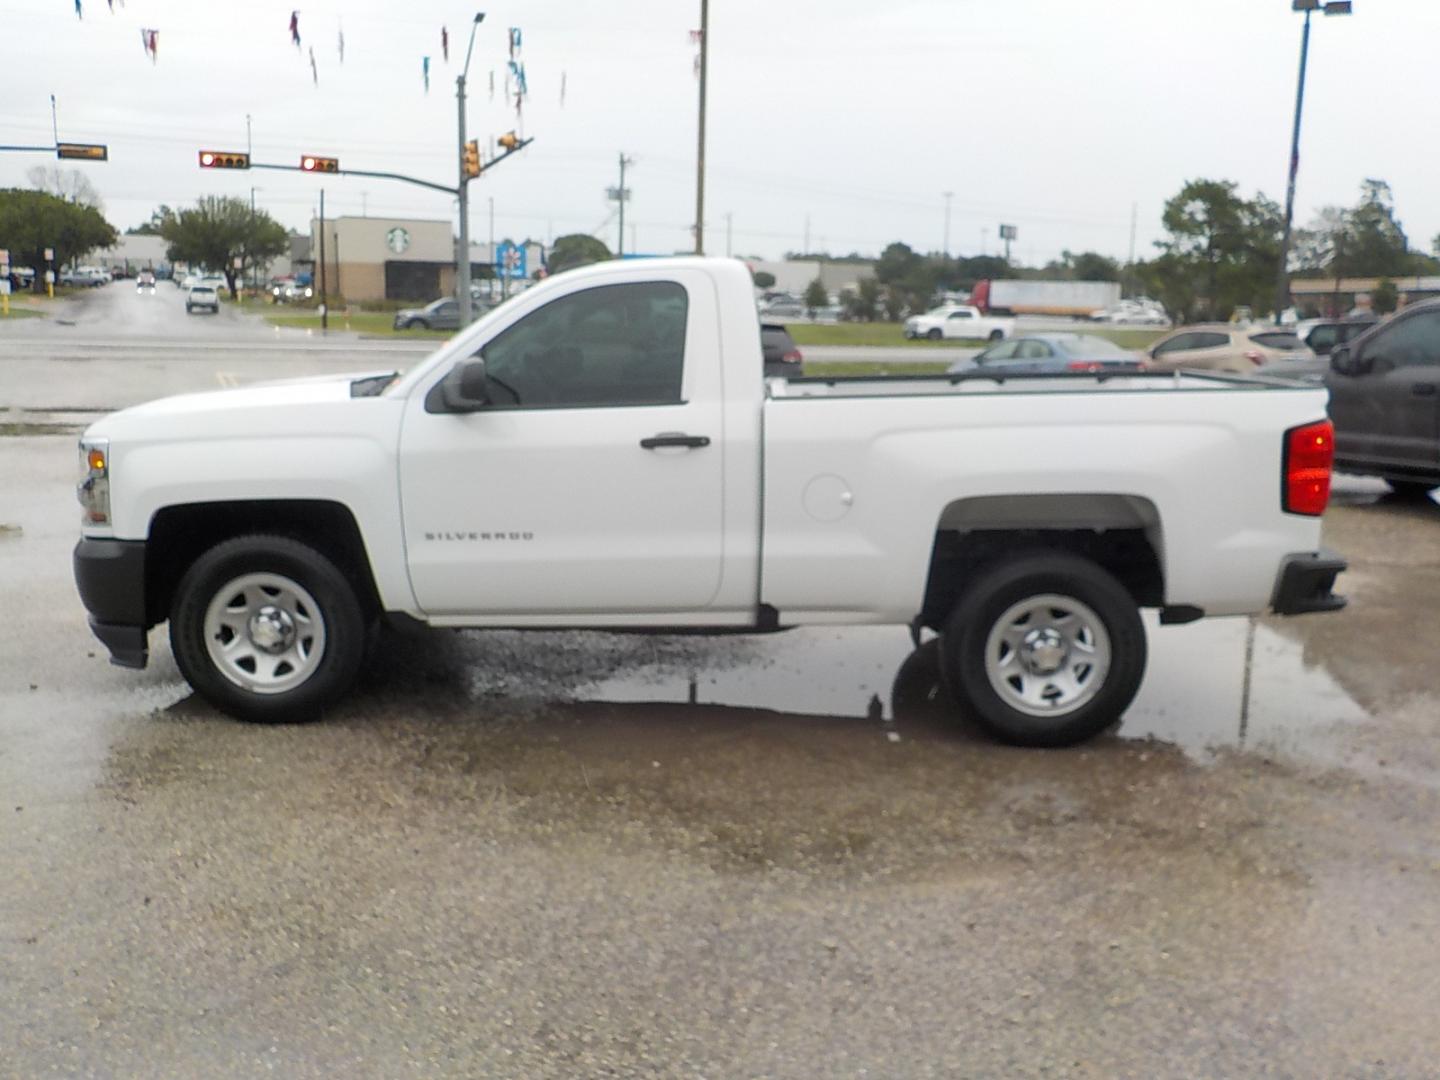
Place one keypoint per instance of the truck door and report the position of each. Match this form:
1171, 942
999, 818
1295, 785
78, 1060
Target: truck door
592, 483
1390, 413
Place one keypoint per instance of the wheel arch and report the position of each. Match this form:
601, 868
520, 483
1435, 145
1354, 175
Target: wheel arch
178, 535
1121, 533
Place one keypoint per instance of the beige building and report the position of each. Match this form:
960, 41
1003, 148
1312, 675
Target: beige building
374, 258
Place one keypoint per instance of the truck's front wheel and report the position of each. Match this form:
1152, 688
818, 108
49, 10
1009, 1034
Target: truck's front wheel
1046, 649
934, 334
267, 628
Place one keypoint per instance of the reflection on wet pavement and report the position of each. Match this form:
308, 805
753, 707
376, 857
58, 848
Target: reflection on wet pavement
1195, 692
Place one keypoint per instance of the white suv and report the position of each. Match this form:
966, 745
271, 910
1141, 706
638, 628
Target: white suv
203, 296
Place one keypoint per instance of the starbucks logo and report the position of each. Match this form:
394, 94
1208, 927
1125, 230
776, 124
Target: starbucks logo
397, 240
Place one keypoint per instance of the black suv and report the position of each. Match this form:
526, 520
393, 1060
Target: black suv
1385, 400
782, 355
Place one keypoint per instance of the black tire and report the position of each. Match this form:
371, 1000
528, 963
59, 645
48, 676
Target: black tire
1004, 587
935, 334
997, 335
417, 323
1411, 489
337, 646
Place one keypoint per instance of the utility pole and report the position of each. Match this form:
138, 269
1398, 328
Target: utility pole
806, 250
622, 194
1130, 265
492, 248
462, 256
948, 196
1309, 7
324, 310
700, 155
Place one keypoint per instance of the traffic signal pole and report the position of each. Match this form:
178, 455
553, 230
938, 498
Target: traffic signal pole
462, 191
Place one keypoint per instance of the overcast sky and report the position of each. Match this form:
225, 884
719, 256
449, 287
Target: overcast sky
852, 116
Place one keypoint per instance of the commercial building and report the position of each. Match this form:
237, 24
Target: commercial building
373, 258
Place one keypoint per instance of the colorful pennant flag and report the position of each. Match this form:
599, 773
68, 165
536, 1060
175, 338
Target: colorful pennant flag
445, 43
314, 72
294, 27
150, 39
425, 70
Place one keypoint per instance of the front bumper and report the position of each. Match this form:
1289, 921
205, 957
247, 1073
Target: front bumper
1306, 583
110, 577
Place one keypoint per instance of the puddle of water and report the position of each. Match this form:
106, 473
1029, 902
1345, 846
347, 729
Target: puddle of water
1194, 696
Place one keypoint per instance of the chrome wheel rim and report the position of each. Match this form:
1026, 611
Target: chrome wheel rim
1047, 655
264, 633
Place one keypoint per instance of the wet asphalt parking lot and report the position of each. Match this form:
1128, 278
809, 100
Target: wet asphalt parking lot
571, 855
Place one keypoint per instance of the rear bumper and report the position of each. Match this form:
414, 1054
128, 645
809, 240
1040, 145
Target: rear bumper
1306, 583
110, 577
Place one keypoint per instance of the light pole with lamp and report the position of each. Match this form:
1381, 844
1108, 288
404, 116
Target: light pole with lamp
1309, 7
462, 257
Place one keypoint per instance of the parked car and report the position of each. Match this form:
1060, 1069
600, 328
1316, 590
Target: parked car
442, 314
202, 297
782, 355
1137, 312
959, 321
84, 277
1322, 335
1052, 352
784, 308
1385, 400
1224, 347
603, 453
145, 281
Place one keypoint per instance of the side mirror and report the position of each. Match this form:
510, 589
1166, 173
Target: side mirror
464, 389
1344, 362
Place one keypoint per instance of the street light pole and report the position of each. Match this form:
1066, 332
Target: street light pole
1309, 7
948, 195
462, 256
700, 155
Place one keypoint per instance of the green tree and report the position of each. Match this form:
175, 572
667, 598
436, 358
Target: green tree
1083, 266
1222, 250
218, 230
1384, 298
764, 279
863, 302
816, 295
576, 249
155, 226
31, 221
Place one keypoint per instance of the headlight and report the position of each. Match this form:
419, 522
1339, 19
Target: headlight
93, 490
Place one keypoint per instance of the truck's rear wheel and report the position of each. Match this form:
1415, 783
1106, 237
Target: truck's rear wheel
997, 335
1046, 649
268, 629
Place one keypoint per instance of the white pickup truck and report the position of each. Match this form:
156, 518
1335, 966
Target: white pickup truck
959, 321
603, 451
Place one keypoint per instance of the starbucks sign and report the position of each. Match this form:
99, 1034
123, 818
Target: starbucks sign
397, 240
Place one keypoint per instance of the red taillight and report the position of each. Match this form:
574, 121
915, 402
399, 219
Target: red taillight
1082, 365
1254, 357
1309, 456
792, 357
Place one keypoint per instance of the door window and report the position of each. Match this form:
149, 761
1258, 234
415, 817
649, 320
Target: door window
1176, 344
1208, 341
961, 315
1034, 350
612, 345
1004, 351
1412, 342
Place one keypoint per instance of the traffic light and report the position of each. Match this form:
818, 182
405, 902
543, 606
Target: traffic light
319, 164
509, 140
224, 159
472, 159
82, 151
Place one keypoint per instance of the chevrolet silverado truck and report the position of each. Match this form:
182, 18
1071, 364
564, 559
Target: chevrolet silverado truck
603, 452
